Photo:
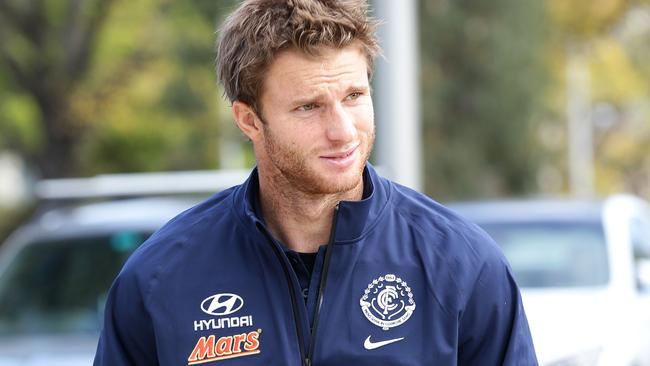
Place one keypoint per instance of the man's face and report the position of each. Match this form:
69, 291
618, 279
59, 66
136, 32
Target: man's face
318, 128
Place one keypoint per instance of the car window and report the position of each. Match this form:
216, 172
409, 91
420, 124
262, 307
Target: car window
60, 285
640, 235
553, 254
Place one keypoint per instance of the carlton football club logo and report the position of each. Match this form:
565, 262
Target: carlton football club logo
387, 301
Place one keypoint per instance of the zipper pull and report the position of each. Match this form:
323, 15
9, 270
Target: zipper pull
306, 362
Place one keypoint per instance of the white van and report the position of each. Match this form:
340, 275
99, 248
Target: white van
583, 268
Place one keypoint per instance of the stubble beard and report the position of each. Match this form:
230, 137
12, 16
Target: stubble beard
292, 166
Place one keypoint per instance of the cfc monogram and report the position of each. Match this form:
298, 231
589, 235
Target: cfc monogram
387, 302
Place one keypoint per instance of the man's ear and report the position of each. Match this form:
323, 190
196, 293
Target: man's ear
247, 120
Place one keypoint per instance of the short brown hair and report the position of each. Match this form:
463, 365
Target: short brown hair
258, 29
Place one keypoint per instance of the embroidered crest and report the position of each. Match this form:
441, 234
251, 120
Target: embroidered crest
387, 302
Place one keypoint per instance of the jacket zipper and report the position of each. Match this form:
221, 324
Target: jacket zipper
321, 288
292, 292
306, 361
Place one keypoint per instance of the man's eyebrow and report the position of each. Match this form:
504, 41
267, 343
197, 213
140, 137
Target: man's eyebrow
305, 99
310, 98
357, 88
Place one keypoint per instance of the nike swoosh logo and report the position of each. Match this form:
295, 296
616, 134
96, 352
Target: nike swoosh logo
368, 344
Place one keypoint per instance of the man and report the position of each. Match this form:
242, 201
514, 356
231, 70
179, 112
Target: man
315, 259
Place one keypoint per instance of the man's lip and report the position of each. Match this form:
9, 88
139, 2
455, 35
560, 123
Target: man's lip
341, 154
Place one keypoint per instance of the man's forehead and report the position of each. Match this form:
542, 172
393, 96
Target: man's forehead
297, 68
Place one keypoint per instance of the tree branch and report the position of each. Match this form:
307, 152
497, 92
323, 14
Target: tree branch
82, 34
23, 78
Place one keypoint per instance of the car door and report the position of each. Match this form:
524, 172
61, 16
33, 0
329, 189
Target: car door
639, 226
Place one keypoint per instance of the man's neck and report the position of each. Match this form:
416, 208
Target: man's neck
300, 220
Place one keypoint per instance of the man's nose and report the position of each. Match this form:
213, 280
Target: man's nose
341, 124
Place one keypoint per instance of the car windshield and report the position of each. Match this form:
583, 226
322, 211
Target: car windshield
553, 254
60, 285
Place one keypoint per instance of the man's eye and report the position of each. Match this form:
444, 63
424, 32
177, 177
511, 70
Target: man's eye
307, 107
354, 95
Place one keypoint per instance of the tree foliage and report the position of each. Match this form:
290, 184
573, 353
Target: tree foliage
93, 86
495, 94
46, 50
96, 86
612, 36
483, 75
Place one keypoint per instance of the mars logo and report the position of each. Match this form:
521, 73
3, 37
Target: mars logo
211, 349
222, 304
387, 302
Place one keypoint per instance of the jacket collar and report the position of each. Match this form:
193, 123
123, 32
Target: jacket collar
356, 218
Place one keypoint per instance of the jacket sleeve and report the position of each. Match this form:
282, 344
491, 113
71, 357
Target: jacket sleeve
493, 326
127, 337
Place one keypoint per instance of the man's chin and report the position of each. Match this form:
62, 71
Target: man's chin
338, 183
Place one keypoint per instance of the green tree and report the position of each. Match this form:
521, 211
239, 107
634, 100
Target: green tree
483, 80
605, 35
90, 86
46, 50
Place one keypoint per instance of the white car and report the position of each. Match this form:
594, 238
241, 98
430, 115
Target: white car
56, 269
55, 272
583, 268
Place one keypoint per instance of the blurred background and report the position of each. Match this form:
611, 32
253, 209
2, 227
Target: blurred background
107, 86
499, 99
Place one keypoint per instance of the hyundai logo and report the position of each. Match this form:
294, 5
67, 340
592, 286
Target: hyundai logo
222, 304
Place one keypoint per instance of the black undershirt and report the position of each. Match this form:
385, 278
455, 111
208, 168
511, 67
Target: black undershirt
308, 259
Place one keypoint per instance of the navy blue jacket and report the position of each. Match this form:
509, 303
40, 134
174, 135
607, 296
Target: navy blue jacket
408, 282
